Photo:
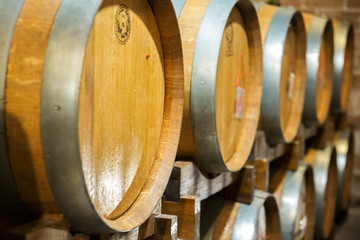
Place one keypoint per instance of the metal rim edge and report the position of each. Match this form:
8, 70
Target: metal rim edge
290, 199
59, 113
203, 84
342, 149
314, 38
321, 169
248, 210
270, 102
341, 33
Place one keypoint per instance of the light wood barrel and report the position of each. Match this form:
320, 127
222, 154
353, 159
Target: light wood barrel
284, 71
325, 178
344, 143
223, 219
94, 99
295, 194
223, 82
319, 69
344, 48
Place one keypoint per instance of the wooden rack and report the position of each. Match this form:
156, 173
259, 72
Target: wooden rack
177, 215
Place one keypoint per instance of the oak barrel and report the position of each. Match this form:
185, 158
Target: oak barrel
325, 178
284, 71
223, 219
222, 64
94, 99
344, 47
344, 143
295, 194
319, 69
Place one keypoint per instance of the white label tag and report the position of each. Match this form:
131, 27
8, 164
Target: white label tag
239, 102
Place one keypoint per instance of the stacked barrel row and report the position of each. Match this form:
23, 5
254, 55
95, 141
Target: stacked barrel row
100, 97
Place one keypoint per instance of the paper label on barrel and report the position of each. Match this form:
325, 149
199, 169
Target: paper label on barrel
291, 84
301, 220
239, 104
122, 26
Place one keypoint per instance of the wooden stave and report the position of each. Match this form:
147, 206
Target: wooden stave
206, 149
344, 143
324, 165
290, 189
343, 42
270, 112
252, 211
316, 29
11, 206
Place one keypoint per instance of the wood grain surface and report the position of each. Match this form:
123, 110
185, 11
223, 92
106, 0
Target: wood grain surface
22, 108
121, 106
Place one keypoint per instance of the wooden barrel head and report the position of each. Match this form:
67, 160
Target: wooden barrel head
319, 60
284, 72
343, 65
222, 103
292, 82
122, 97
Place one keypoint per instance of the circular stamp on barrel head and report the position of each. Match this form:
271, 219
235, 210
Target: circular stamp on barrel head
122, 24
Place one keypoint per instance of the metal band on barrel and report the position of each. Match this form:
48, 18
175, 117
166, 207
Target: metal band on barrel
272, 63
248, 215
203, 83
59, 113
290, 199
321, 171
341, 33
342, 149
10, 201
314, 39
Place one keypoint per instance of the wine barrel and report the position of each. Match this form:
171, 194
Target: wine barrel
320, 69
295, 194
223, 219
222, 64
344, 143
325, 178
344, 48
284, 71
94, 98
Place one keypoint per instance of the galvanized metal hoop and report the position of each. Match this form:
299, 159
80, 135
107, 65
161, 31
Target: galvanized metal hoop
11, 203
344, 147
314, 40
252, 212
274, 46
59, 116
291, 197
342, 33
324, 160
203, 82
